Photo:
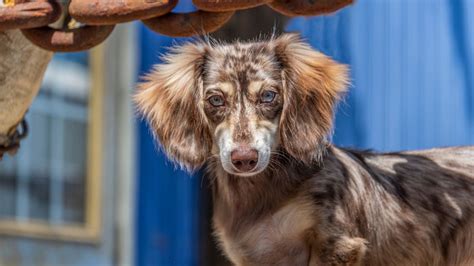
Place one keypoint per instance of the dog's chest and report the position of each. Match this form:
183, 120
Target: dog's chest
272, 239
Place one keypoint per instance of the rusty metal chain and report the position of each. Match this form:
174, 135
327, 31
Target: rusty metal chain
97, 18
11, 142
82, 24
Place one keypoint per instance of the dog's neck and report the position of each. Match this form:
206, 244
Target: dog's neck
257, 195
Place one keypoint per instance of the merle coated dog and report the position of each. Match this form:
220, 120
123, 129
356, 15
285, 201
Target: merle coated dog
258, 115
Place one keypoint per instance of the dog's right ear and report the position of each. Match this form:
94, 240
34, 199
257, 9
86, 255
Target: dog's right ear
169, 99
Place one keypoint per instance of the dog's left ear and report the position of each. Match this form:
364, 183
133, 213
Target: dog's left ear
312, 83
170, 98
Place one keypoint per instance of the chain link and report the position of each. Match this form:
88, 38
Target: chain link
28, 15
307, 8
219, 6
106, 12
68, 40
100, 16
188, 24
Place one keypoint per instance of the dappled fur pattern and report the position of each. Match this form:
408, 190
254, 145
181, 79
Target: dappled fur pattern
314, 83
310, 203
170, 100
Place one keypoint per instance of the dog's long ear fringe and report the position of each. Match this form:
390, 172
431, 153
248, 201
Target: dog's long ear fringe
169, 98
313, 83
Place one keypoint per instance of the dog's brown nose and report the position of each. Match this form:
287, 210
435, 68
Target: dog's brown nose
244, 158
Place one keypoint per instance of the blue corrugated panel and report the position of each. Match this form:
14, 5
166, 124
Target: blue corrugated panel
412, 65
167, 198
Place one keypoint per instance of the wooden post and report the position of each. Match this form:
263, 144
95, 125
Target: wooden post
22, 67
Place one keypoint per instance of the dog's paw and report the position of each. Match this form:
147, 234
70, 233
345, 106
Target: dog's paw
344, 251
350, 251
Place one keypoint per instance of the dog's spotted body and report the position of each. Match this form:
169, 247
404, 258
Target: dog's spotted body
258, 115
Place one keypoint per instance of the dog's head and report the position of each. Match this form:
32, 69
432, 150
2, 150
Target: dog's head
242, 102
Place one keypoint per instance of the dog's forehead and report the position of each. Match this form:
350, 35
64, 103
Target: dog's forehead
241, 63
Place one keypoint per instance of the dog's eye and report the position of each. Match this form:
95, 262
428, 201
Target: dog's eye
216, 100
267, 96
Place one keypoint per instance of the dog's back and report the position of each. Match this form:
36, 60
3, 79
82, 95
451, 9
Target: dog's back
429, 198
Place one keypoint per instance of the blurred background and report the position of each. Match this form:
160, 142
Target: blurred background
89, 186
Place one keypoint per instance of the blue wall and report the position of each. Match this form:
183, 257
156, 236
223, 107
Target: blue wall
412, 64
167, 198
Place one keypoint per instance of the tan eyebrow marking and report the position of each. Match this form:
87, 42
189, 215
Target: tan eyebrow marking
254, 87
226, 87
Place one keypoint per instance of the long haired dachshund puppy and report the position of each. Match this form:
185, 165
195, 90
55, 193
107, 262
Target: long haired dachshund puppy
258, 115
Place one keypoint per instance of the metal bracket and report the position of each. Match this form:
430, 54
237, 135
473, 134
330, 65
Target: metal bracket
11, 142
